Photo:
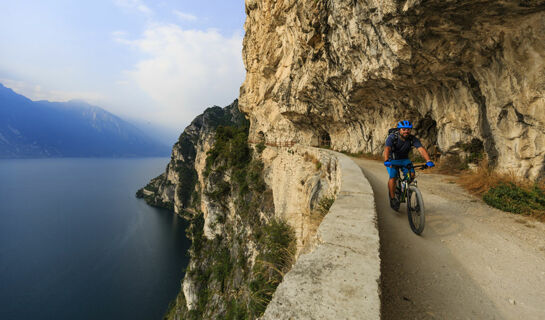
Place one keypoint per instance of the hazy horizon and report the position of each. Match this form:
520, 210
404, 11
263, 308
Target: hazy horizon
164, 135
154, 64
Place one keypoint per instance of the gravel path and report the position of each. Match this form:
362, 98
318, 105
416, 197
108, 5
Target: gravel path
471, 262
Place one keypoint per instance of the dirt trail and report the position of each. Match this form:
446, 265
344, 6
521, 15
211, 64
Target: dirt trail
471, 262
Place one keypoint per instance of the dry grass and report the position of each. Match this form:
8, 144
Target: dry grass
275, 260
312, 221
451, 165
504, 191
311, 158
482, 179
287, 260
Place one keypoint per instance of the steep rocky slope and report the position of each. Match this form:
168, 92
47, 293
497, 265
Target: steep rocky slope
188, 159
469, 74
252, 209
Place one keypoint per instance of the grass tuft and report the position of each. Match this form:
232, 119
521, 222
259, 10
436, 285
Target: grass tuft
277, 241
505, 191
325, 204
311, 158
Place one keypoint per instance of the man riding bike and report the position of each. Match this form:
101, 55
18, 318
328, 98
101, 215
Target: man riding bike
396, 153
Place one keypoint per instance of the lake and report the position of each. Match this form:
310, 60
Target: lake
75, 242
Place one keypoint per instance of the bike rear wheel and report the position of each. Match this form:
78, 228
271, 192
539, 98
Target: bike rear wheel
415, 210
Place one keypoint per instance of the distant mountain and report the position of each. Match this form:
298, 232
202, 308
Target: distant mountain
67, 129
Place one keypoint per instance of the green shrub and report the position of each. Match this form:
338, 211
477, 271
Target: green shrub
222, 265
220, 192
254, 177
186, 146
246, 289
474, 150
187, 180
262, 289
195, 232
513, 198
260, 147
196, 196
230, 149
277, 236
236, 310
276, 241
324, 204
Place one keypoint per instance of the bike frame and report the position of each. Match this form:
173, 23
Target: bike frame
407, 191
403, 184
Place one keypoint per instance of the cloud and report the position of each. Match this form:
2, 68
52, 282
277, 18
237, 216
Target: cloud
187, 70
133, 4
122, 82
185, 16
37, 92
120, 36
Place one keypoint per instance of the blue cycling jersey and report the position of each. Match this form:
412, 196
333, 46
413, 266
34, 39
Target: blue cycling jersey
403, 147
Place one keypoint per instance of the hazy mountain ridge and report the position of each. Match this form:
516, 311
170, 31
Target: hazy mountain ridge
67, 129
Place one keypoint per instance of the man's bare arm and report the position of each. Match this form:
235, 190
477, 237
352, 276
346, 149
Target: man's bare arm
424, 153
387, 153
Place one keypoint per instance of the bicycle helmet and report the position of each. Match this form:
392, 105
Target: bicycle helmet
404, 124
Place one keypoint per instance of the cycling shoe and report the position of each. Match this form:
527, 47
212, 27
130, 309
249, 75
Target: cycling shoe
394, 203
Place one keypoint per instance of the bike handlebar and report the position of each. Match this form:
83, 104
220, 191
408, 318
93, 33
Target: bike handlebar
411, 165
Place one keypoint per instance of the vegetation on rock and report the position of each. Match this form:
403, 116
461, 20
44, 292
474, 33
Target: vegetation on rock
236, 273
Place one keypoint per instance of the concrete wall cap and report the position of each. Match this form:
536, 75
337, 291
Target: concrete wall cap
339, 278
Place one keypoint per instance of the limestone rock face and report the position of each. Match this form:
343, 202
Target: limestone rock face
181, 185
465, 72
243, 200
301, 177
190, 293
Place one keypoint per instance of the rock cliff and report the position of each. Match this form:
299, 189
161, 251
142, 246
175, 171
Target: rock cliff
252, 209
188, 160
469, 74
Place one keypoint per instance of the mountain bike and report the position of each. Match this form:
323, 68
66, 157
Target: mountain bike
407, 191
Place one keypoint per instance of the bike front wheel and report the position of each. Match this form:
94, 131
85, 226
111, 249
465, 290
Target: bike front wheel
415, 210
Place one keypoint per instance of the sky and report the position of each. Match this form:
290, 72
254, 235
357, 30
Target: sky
155, 63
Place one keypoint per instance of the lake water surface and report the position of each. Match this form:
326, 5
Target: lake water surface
75, 243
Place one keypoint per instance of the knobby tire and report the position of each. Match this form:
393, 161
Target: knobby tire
415, 210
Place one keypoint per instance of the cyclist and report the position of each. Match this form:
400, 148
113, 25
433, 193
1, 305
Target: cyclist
396, 152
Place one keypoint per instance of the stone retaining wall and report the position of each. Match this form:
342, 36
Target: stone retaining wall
339, 278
